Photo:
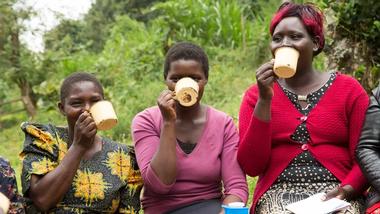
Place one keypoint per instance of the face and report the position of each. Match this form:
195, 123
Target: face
186, 68
81, 96
291, 32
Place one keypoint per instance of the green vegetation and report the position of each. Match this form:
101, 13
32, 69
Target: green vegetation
124, 44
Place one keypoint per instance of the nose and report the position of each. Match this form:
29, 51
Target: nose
286, 42
87, 106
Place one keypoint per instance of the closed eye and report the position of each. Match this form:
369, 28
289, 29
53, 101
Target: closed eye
174, 79
276, 38
76, 104
296, 36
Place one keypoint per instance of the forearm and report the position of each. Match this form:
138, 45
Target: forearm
164, 161
48, 190
255, 147
367, 152
263, 110
371, 167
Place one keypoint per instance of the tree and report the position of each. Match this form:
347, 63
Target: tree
354, 29
15, 58
92, 32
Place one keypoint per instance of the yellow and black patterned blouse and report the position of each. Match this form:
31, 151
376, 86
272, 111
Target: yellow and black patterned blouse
109, 182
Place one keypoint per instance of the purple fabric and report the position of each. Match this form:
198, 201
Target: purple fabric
205, 173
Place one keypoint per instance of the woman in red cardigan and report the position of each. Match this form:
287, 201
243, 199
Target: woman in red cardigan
299, 134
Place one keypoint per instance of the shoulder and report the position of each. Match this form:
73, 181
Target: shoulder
44, 138
150, 115
219, 118
376, 93
253, 90
43, 132
348, 83
348, 88
216, 113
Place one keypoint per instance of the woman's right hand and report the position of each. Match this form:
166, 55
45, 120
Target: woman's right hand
84, 131
166, 103
265, 77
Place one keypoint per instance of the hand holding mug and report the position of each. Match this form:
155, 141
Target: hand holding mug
166, 103
84, 130
265, 78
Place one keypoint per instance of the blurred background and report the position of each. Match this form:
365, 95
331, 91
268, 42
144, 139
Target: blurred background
123, 42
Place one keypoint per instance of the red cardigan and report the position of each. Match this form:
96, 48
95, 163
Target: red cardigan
334, 124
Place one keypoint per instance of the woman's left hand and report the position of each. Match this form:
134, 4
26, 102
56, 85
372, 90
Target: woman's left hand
346, 192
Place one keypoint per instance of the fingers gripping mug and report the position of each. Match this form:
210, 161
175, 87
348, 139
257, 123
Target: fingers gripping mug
186, 91
104, 115
285, 62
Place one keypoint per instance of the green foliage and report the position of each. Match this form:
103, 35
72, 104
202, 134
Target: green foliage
356, 38
217, 23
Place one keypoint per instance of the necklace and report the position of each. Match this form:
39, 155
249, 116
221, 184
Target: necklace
301, 97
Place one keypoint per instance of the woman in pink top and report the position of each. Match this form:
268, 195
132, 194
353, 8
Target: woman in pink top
187, 155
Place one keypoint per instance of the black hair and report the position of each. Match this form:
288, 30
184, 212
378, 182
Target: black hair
78, 77
186, 51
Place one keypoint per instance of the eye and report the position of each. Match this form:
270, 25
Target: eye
95, 100
174, 79
76, 104
197, 79
276, 38
296, 36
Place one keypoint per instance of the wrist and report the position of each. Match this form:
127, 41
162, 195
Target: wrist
168, 122
78, 149
263, 100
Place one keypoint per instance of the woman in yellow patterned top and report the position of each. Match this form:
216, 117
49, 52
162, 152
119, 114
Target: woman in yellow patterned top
72, 169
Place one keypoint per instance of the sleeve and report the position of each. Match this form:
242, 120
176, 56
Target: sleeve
234, 179
130, 195
356, 116
255, 137
8, 186
40, 153
146, 138
367, 152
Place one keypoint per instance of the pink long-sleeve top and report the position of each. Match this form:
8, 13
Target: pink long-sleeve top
210, 171
334, 124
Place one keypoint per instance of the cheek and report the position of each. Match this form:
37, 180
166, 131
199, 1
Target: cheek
273, 47
170, 85
73, 114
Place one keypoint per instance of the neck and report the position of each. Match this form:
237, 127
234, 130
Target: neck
70, 134
303, 77
189, 113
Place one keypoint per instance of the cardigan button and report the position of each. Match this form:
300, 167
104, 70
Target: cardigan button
304, 147
303, 118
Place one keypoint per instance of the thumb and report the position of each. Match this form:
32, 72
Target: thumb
331, 194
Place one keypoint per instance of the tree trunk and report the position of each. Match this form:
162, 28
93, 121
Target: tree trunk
26, 90
28, 99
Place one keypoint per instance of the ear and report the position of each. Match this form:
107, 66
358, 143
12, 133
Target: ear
315, 43
61, 108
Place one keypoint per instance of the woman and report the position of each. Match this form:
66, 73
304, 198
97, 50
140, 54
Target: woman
10, 198
187, 155
72, 169
299, 134
368, 151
